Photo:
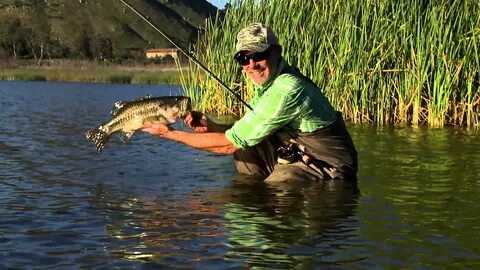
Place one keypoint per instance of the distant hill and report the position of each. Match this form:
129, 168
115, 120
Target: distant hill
96, 29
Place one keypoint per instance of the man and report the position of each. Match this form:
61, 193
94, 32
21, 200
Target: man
292, 133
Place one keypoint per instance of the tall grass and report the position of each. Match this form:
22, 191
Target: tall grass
384, 62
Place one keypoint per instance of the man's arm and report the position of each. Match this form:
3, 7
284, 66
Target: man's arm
214, 142
217, 127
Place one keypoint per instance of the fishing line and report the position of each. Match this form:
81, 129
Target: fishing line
189, 55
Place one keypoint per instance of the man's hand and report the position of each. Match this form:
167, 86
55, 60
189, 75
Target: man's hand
156, 128
197, 121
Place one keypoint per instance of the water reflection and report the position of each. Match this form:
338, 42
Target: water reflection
161, 231
153, 204
290, 225
421, 184
247, 224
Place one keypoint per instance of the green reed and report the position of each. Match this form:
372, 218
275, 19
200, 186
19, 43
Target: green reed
384, 62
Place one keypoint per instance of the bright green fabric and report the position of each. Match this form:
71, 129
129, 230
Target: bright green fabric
286, 100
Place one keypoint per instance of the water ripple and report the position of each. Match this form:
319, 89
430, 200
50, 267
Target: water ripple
154, 204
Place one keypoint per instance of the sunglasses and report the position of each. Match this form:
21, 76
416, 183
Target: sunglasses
244, 59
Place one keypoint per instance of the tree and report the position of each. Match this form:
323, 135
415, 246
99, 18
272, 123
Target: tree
78, 41
40, 32
12, 34
102, 48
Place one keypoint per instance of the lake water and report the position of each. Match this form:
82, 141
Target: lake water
154, 204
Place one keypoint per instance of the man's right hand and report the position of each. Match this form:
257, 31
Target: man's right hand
197, 121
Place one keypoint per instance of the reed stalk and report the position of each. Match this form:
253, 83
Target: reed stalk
383, 62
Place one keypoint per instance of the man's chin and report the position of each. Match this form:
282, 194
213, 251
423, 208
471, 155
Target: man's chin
258, 79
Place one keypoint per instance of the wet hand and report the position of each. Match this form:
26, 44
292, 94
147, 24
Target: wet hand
196, 121
156, 128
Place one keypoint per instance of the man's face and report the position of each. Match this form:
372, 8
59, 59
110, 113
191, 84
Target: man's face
259, 69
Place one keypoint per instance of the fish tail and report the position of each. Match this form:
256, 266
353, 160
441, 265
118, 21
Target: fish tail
98, 137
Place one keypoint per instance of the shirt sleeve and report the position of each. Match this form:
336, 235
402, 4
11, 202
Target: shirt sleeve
276, 108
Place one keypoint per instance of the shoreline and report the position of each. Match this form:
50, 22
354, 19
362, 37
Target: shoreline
89, 71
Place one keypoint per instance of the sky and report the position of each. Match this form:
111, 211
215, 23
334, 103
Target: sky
218, 3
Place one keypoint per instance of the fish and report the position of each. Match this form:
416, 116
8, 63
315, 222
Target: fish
130, 116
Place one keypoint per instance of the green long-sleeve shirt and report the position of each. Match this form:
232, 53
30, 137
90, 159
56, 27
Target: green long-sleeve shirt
287, 99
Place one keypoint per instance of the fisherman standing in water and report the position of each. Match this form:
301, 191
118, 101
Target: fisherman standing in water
292, 134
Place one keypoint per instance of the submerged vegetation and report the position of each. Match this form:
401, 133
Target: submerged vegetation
383, 62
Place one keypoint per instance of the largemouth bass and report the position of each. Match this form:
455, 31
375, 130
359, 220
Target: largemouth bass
128, 117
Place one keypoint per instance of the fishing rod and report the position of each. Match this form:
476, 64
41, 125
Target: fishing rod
189, 55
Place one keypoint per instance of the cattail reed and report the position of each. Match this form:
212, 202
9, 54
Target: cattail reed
399, 62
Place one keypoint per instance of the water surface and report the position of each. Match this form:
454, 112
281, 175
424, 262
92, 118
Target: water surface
153, 203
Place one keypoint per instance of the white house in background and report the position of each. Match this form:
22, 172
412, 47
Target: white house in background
162, 52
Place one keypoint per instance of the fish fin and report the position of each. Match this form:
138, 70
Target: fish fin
126, 136
117, 106
98, 137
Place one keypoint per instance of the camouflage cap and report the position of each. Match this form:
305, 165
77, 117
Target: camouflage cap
256, 38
